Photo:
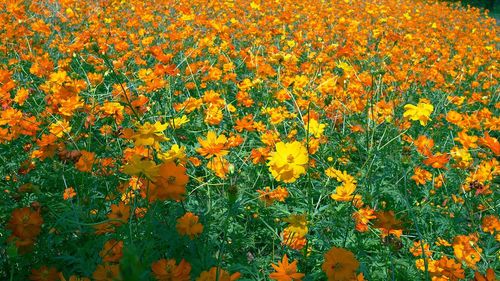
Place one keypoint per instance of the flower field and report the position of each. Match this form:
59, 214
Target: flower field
248, 140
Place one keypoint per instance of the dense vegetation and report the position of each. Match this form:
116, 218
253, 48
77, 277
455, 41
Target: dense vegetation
250, 140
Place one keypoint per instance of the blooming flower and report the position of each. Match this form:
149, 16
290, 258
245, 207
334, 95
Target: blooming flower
188, 225
44, 273
149, 134
107, 272
340, 264
170, 183
285, 271
212, 274
166, 270
212, 145
288, 162
85, 161
111, 251
421, 112
137, 166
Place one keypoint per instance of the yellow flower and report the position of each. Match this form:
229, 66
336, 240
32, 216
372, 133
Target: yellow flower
213, 145
176, 123
149, 134
288, 162
344, 192
298, 224
421, 112
136, 166
315, 128
60, 128
176, 153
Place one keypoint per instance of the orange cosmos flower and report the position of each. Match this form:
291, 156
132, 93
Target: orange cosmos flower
340, 265
119, 213
138, 166
60, 128
491, 224
269, 196
489, 276
107, 272
212, 145
388, 224
111, 251
466, 249
467, 141
44, 273
437, 161
424, 145
220, 166
170, 184
285, 271
188, 225
85, 161
421, 176
25, 223
167, 270
292, 239
363, 217
69, 193
223, 275
490, 142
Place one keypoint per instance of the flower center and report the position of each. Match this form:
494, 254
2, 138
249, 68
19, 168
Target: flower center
171, 179
290, 159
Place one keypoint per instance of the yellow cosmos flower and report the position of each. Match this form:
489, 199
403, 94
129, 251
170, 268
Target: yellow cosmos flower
149, 134
421, 112
177, 122
288, 162
137, 166
315, 128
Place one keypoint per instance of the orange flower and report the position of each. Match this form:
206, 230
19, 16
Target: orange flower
69, 193
188, 225
421, 176
112, 251
490, 142
286, 271
119, 213
85, 161
44, 274
466, 140
424, 145
212, 274
292, 239
489, 276
466, 249
213, 145
269, 196
149, 134
491, 224
437, 161
220, 166
166, 270
25, 223
388, 224
170, 184
340, 264
107, 272
363, 217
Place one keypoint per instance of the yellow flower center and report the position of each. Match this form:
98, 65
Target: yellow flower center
290, 159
